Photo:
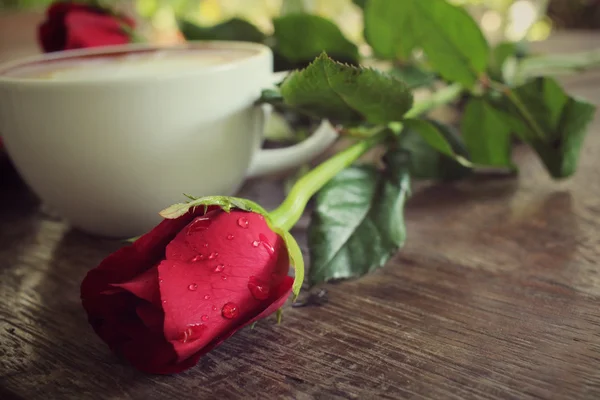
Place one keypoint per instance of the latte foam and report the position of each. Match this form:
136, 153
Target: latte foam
129, 65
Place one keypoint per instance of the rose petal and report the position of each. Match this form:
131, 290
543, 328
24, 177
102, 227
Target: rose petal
52, 33
181, 248
149, 352
195, 293
104, 313
52, 36
127, 262
151, 316
283, 292
85, 29
144, 286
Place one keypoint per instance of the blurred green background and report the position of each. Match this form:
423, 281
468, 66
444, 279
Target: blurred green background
500, 19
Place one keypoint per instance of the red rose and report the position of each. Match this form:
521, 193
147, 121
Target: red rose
182, 289
74, 26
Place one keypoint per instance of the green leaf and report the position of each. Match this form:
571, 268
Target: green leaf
233, 29
413, 76
425, 162
358, 222
389, 27
360, 3
451, 39
436, 138
293, 6
498, 56
551, 121
342, 93
224, 202
302, 37
487, 134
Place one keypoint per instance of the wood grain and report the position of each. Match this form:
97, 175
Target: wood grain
495, 296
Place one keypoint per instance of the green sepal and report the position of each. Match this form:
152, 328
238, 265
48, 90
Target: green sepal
226, 203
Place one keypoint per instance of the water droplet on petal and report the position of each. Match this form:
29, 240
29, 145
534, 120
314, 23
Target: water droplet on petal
219, 268
243, 222
199, 224
212, 256
205, 245
261, 217
160, 281
224, 277
230, 237
192, 287
266, 244
258, 289
198, 258
206, 297
191, 333
164, 302
214, 308
204, 318
256, 243
230, 310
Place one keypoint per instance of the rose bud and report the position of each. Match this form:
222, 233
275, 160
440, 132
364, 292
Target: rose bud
75, 26
183, 288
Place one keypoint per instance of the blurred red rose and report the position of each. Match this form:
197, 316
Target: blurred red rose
75, 26
182, 289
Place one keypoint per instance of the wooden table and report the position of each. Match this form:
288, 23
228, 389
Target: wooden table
496, 295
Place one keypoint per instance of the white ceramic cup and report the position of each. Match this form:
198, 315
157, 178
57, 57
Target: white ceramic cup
108, 153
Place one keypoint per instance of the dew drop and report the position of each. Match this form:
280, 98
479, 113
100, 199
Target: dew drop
212, 256
204, 318
205, 245
192, 287
266, 244
258, 289
219, 268
199, 224
224, 277
206, 297
262, 218
198, 258
191, 333
256, 243
230, 237
164, 302
230, 310
243, 222
160, 281
214, 308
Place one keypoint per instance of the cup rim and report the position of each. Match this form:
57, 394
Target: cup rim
114, 50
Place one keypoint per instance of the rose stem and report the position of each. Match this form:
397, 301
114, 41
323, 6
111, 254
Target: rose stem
289, 212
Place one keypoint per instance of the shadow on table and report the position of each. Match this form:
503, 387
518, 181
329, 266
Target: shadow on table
442, 196
71, 359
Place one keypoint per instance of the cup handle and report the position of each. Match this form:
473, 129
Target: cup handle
269, 161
